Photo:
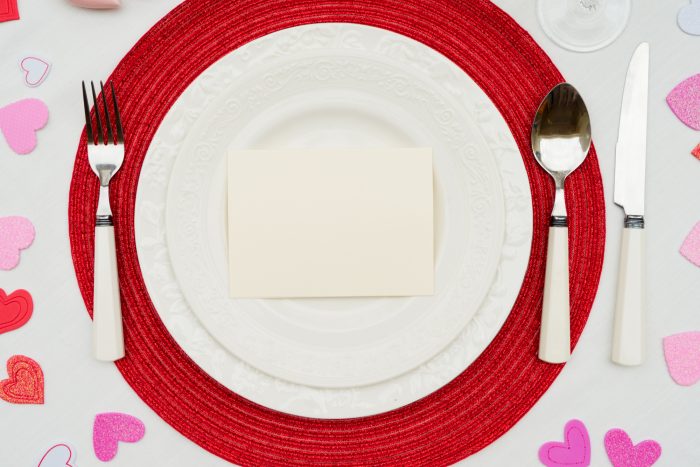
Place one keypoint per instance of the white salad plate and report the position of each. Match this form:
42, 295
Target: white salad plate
330, 86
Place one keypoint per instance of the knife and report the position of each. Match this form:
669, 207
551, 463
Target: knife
630, 169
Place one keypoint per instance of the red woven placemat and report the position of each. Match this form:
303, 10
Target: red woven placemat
461, 418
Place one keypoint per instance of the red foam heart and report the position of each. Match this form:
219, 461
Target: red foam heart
25, 384
15, 309
8, 10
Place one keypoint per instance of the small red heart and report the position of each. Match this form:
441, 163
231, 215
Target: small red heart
25, 384
15, 309
8, 10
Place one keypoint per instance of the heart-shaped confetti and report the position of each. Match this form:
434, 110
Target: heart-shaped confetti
622, 453
59, 455
20, 121
96, 4
682, 353
689, 18
690, 248
112, 427
574, 451
684, 101
8, 10
25, 384
35, 70
16, 233
15, 310
696, 152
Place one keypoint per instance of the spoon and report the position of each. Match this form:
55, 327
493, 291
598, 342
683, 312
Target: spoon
560, 138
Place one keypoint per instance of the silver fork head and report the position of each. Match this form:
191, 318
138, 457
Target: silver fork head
105, 152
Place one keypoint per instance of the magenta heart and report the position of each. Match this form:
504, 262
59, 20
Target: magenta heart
20, 121
622, 453
112, 427
682, 353
684, 101
16, 233
574, 451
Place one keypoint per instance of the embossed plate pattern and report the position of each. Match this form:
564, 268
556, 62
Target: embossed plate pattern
411, 63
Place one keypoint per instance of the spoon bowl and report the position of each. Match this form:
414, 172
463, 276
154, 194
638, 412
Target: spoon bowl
561, 132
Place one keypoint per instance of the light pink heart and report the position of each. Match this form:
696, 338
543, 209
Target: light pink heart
574, 451
97, 4
684, 101
622, 453
20, 121
682, 352
16, 233
690, 248
111, 428
35, 70
57, 456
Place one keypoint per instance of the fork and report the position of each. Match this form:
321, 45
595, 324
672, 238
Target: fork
105, 154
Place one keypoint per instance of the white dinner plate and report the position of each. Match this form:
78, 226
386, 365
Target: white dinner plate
348, 86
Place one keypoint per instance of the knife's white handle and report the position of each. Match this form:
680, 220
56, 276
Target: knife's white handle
107, 338
555, 341
628, 334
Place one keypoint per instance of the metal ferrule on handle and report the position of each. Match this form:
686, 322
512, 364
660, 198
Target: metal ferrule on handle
630, 307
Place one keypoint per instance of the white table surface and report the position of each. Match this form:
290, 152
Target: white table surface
644, 401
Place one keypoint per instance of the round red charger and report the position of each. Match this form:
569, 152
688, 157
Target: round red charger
461, 418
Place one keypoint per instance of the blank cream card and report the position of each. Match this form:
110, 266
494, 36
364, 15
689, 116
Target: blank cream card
330, 223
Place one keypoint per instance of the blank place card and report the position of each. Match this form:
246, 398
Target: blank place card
330, 223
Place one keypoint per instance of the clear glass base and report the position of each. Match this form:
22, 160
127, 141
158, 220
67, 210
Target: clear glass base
583, 25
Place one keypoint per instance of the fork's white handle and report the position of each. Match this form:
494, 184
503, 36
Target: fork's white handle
107, 336
555, 341
628, 334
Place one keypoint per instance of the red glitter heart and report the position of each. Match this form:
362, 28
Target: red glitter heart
15, 309
8, 10
25, 384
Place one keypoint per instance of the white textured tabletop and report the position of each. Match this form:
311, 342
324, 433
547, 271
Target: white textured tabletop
644, 401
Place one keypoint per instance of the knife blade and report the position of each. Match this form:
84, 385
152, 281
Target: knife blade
630, 152
630, 168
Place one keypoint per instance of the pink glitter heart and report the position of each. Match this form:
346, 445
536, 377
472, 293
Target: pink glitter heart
19, 122
682, 352
690, 248
684, 101
622, 453
111, 428
16, 233
574, 451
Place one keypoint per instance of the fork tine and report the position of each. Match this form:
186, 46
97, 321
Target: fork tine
108, 124
97, 115
117, 118
88, 124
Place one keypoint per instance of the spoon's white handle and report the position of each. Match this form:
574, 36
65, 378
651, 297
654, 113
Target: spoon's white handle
628, 334
555, 341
